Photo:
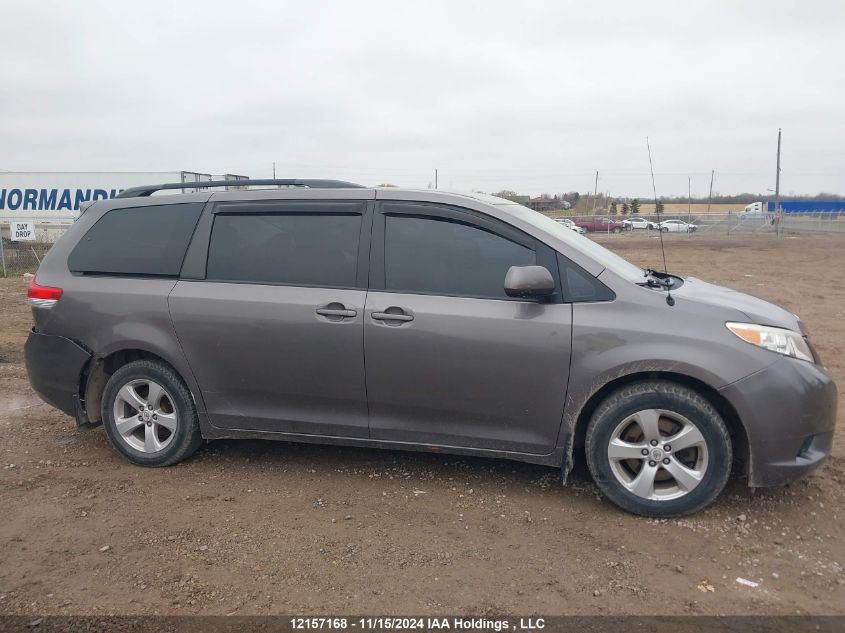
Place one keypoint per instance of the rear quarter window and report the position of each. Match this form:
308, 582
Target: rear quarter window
148, 240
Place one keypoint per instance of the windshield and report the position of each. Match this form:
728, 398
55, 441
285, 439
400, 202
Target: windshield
588, 247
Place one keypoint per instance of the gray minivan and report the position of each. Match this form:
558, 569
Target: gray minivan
321, 311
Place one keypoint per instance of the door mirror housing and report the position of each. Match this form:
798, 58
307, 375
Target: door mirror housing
529, 282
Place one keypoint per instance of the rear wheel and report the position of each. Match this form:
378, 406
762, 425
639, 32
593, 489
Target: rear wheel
658, 449
149, 414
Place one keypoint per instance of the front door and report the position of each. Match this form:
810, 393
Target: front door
274, 333
451, 360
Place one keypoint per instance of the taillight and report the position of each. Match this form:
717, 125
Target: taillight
42, 296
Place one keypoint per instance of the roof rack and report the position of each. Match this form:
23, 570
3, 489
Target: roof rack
147, 190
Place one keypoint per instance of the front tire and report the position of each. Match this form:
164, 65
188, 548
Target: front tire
658, 449
149, 414
617, 230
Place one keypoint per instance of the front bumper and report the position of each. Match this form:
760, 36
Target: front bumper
54, 365
788, 410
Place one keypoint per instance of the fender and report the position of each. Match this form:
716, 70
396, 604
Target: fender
581, 392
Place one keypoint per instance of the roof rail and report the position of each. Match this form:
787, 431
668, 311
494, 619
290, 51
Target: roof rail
147, 190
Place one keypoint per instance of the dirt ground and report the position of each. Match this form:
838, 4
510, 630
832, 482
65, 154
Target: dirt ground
247, 527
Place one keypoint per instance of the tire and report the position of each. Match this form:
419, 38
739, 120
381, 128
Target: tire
664, 229
617, 230
679, 414
166, 431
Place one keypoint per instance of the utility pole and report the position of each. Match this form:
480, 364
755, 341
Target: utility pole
777, 191
689, 198
596, 192
710, 199
435, 179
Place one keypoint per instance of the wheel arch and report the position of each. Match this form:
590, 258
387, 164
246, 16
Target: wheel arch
92, 381
575, 457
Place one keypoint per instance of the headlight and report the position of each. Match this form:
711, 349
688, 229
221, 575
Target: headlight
775, 339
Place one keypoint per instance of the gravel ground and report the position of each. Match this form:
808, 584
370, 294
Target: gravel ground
265, 528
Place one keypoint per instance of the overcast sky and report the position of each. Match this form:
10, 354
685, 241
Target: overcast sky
531, 96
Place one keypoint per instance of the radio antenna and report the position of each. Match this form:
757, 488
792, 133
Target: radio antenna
669, 299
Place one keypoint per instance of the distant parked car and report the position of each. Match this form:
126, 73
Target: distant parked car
605, 225
640, 223
677, 226
570, 225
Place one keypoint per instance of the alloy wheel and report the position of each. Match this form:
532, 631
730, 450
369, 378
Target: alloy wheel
144, 415
658, 454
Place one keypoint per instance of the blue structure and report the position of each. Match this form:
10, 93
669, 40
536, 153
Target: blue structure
809, 206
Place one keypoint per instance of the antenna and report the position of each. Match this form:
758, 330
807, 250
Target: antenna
669, 300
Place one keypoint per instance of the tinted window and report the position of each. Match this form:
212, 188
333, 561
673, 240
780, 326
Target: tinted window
137, 241
579, 285
436, 256
300, 249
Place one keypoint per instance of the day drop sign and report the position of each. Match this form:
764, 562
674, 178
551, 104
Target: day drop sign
22, 231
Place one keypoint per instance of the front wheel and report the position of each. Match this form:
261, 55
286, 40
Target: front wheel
658, 449
617, 230
149, 414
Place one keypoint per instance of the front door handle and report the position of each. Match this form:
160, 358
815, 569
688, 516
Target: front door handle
398, 315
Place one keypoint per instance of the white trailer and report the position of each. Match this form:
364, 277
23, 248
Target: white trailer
47, 197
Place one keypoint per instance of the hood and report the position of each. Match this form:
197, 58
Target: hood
758, 311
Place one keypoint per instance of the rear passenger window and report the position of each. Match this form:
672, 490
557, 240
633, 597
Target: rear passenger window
149, 240
437, 256
299, 249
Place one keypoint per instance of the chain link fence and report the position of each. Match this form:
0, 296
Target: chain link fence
727, 224
19, 257
740, 223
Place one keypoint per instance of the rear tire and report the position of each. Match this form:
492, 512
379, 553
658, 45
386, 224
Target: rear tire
149, 414
666, 480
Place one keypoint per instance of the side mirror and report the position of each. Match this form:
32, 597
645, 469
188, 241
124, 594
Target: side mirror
529, 282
